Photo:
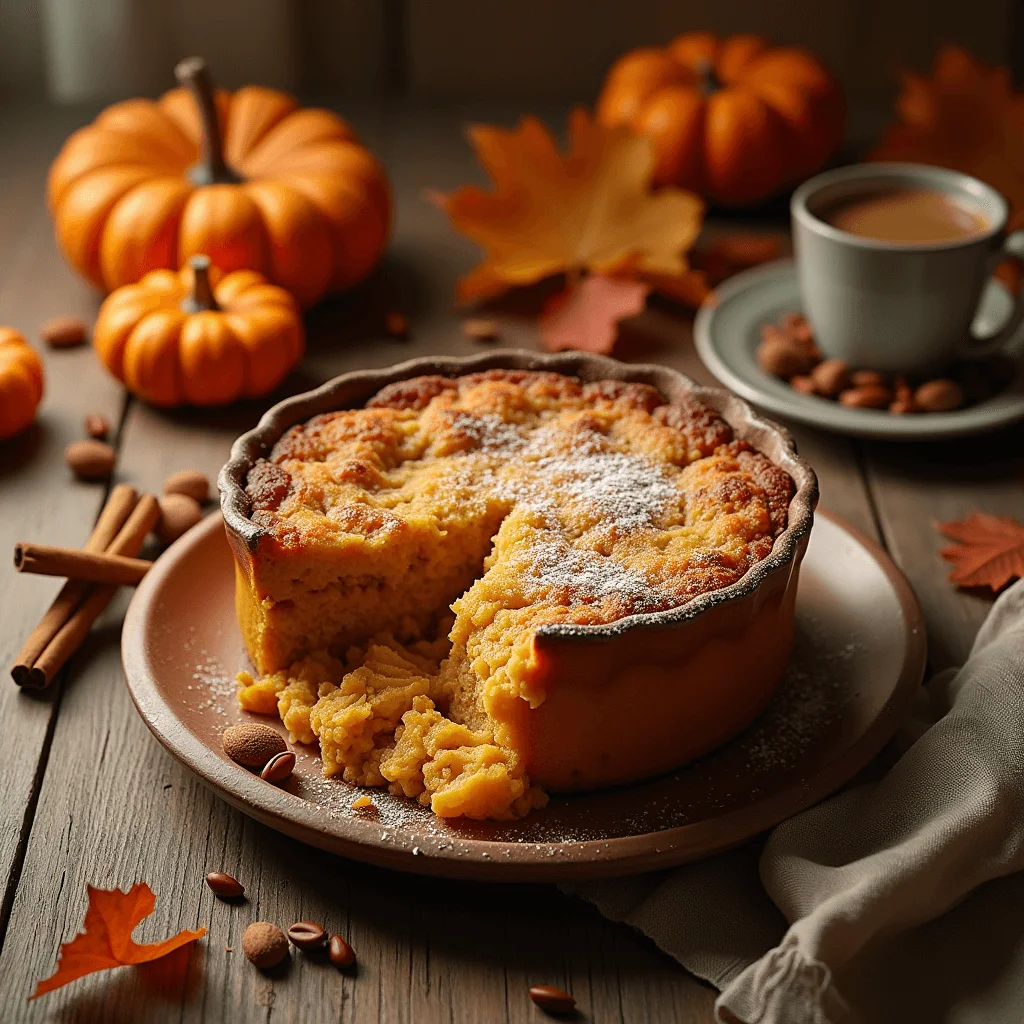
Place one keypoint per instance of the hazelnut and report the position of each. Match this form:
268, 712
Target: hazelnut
264, 944
189, 482
178, 514
866, 397
867, 379
252, 743
802, 383
939, 395
63, 331
782, 357
830, 377
90, 460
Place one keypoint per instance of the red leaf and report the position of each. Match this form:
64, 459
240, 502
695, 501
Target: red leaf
107, 940
586, 317
990, 552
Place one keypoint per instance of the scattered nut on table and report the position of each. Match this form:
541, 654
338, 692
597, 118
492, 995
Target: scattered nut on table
178, 514
264, 944
224, 885
63, 331
189, 482
90, 460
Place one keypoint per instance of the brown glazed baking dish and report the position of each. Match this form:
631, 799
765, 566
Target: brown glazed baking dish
650, 691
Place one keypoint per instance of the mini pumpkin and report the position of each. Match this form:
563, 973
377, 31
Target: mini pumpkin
21, 382
199, 337
733, 119
250, 179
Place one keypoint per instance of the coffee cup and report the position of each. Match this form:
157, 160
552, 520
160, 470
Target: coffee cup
890, 280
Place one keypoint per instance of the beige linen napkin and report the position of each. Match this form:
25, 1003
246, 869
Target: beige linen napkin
872, 862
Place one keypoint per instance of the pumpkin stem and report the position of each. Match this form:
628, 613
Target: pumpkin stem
709, 81
211, 168
201, 300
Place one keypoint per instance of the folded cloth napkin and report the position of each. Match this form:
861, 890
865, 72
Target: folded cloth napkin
875, 860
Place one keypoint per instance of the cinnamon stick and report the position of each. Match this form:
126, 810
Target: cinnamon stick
69, 638
114, 515
91, 566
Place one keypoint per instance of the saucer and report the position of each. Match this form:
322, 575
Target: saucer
728, 328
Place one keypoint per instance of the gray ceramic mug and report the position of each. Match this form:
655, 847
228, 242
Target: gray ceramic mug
891, 306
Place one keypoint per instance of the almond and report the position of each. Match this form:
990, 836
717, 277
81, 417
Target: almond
189, 482
63, 332
939, 396
90, 460
480, 330
252, 744
264, 944
178, 514
97, 426
802, 383
867, 379
867, 396
396, 324
783, 358
830, 377
341, 954
224, 885
552, 1000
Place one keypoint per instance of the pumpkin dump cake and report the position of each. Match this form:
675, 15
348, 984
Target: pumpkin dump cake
410, 551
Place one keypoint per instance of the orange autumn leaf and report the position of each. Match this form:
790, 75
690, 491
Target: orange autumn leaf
588, 209
966, 117
586, 317
107, 940
990, 551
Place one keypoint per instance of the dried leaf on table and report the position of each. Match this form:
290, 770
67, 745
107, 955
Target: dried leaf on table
586, 316
588, 209
990, 552
107, 940
965, 116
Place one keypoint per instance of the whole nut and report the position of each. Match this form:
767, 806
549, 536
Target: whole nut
90, 460
264, 944
783, 358
224, 885
252, 743
279, 767
178, 514
867, 379
97, 426
63, 331
939, 395
830, 377
340, 952
551, 999
802, 383
901, 407
480, 330
189, 482
866, 397
396, 324
307, 935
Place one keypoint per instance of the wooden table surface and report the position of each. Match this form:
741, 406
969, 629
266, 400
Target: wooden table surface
87, 795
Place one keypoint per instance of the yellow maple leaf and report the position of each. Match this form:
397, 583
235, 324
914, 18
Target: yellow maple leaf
588, 209
966, 117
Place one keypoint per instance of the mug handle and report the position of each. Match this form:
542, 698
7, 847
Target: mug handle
978, 348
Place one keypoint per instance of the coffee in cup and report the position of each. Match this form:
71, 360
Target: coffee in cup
892, 260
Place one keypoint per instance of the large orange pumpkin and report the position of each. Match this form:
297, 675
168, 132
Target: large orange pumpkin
21, 382
734, 119
196, 337
250, 179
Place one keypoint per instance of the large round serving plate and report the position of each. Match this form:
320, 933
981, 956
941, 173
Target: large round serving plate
858, 659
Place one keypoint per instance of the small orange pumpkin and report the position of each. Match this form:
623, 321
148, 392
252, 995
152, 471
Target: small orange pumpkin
250, 179
198, 337
733, 119
21, 382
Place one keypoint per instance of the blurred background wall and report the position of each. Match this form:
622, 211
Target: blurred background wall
460, 50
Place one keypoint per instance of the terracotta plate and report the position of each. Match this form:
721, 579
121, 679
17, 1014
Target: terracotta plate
859, 657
